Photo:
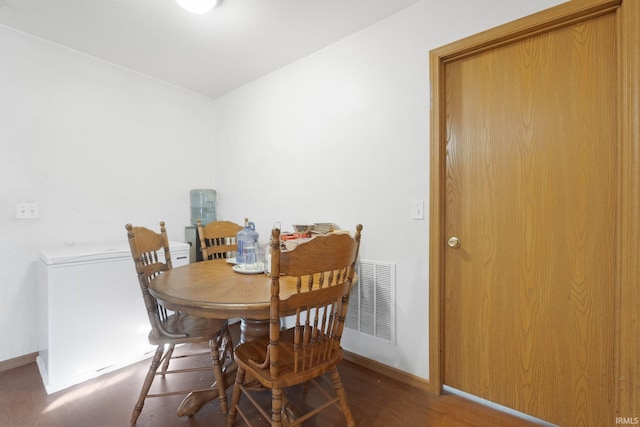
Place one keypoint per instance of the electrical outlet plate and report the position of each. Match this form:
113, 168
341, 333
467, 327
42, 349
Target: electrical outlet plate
26, 210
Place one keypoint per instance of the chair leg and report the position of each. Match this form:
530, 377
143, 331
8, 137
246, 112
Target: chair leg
276, 407
155, 362
342, 397
167, 359
235, 397
217, 372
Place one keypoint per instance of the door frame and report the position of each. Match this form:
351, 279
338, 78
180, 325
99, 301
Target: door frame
626, 287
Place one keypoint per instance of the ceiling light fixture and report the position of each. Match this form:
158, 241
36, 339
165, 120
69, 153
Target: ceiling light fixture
198, 6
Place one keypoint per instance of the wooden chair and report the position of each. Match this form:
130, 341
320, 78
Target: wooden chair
218, 239
324, 270
151, 255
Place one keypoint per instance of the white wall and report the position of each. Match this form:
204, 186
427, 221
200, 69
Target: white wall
96, 146
343, 136
340, 136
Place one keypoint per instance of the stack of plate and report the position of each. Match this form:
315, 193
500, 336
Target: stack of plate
324, 227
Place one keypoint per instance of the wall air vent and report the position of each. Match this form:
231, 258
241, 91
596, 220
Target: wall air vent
372, 302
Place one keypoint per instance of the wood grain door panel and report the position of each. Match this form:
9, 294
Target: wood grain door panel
531, 179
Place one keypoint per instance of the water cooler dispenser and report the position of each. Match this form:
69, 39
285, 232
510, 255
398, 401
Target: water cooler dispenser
203, 207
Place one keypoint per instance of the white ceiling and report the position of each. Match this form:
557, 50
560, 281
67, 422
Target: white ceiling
211, 54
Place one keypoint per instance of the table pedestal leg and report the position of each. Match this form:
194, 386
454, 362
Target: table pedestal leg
251, 329
195, 400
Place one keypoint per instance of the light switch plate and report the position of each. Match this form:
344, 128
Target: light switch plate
417, 209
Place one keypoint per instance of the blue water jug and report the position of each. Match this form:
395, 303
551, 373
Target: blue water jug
247, 239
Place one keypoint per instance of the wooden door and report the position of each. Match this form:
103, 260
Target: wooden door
530, 191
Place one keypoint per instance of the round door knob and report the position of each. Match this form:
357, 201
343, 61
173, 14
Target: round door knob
453, 242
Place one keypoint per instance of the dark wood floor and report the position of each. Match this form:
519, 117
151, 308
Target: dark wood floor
376, 401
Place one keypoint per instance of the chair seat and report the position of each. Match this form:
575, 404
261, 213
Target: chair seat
251, 354
198, 329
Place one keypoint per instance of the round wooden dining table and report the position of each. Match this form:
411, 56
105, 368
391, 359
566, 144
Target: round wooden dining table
213, 289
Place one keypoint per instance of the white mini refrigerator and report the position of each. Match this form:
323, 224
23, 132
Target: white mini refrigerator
92, 317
